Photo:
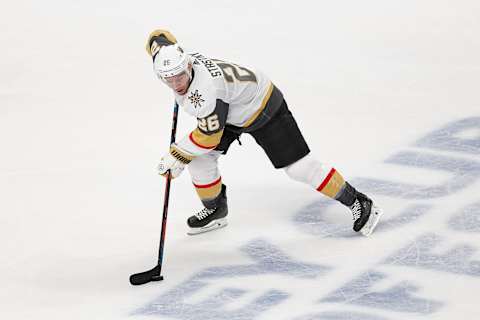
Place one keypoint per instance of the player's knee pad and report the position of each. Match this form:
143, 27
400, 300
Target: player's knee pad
204, 169
308, 170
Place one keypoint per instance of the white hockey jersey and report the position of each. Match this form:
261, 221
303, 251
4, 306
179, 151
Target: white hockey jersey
221, 93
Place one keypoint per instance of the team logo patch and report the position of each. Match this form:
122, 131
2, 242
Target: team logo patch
196, 99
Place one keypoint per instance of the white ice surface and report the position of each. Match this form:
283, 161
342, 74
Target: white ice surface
83, 123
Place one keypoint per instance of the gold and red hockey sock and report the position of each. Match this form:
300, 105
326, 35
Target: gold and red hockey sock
332, 184
209, 192
335, 187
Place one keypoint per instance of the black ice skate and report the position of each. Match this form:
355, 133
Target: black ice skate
209, 219
365, 214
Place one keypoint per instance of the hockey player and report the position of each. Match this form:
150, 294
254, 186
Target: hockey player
229, 100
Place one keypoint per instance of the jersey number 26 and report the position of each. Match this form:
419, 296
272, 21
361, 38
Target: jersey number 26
209, 124
231, 71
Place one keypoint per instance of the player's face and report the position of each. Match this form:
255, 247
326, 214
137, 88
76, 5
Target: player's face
179, 82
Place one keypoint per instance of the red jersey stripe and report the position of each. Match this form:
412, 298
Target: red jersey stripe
199, 145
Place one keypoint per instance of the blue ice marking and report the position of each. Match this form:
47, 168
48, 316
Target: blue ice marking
447, 138
340, 315
464, 173
268, 260
468, 220
397, 298
418, 254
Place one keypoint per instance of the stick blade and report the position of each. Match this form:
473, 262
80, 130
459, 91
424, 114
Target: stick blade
146, 276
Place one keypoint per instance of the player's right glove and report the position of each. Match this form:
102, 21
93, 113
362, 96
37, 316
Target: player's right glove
175, 161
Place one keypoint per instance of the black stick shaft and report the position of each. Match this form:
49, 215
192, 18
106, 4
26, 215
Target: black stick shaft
167, 194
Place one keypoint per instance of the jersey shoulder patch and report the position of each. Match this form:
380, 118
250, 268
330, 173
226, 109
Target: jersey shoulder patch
202, 94
196, 99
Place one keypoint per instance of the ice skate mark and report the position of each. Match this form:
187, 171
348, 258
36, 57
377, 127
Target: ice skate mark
419, 254
456, 137
179, 302
468, 220
269, 260
410, 214
340, 315
399, 298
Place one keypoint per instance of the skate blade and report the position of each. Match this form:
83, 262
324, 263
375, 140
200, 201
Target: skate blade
214, 225
372, 221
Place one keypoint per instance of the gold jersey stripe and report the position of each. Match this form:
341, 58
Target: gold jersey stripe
210, 192
157, 33
262, 106
205, 141
332, 184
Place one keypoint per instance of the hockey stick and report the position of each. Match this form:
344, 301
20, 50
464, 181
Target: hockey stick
155, 273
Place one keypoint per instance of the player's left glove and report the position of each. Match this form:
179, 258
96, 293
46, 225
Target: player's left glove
175, 161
